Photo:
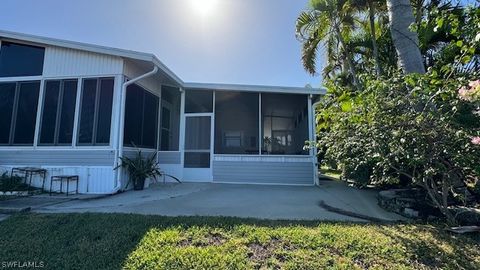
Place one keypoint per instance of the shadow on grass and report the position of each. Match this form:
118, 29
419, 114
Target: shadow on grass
436, 248
96, 241
109, 241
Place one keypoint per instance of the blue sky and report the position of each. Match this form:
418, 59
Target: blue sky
237, 41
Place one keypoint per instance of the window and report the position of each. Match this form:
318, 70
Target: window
236, 123
170, 119
285, 124
141, 118
58, 112
198, 101
18, 109
96, 111
20, 60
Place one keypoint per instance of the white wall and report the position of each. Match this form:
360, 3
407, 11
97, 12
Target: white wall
68, 62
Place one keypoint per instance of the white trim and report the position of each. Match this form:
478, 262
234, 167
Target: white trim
76, 117
311, 136
52, 148
260, 126
261, 184
41, 94
181, 142
21, 79
212, 134
254, 88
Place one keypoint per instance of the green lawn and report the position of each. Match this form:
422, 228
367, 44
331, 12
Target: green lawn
335, 174
113, 241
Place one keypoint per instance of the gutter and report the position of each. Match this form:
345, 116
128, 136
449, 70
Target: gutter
121, 126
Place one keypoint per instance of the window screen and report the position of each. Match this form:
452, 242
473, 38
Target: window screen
170, 119
18, 112
198, 101
285, 124
58, 112
141, 118
96, 111
236, 123
20, 60
7, 97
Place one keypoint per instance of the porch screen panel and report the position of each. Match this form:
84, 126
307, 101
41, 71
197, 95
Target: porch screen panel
141, 118
104, 111
170, 119
26, 113
87, 114
236, 123
285, 124
7, 96
18, 112
58, 112
49, 114
96, 111
67, 115
198, 101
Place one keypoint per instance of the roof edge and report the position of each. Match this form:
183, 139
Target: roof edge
255, 88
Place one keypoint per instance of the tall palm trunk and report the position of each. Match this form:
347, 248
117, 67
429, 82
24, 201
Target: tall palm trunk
348, 55
405, 41
371, 13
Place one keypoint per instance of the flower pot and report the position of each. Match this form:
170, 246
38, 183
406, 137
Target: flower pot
139, 183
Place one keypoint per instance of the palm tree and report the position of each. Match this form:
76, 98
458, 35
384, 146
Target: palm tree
405, 40
370, 6
328, 22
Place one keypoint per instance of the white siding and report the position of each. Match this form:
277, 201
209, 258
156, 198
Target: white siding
69, 62
92, 180
285, 170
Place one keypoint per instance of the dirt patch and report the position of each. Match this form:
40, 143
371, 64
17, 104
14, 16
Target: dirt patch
214, 239
260, 252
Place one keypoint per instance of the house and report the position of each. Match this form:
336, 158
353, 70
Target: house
75, 108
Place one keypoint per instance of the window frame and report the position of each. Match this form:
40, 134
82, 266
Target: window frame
95, 113
58, 117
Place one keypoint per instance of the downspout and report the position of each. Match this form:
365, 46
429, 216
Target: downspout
121, 126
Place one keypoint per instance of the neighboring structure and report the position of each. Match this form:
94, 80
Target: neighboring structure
74, 108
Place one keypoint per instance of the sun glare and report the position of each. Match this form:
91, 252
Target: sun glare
204, 7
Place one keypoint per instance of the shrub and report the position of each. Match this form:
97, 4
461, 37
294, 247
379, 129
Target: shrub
14, 183
403, 128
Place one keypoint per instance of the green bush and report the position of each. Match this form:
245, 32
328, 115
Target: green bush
14, 183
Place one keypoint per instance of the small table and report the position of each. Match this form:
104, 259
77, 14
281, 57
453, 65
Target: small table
29, 172
63, 178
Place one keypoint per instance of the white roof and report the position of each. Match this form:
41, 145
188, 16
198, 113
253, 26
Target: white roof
149, 57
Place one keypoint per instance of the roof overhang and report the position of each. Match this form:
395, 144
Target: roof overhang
255, 88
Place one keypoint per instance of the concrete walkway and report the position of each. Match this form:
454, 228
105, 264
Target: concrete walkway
257, 201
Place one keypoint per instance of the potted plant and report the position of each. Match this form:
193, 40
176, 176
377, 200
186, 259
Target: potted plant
140, 168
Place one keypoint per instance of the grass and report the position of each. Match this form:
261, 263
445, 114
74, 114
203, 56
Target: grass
335, 174
114, 241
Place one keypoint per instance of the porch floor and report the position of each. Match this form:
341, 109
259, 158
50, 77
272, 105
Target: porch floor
257, 201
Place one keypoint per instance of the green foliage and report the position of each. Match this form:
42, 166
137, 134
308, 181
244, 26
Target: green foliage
140, 167
14, 183
116, 241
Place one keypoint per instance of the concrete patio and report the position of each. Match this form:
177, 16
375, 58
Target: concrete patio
257, 201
